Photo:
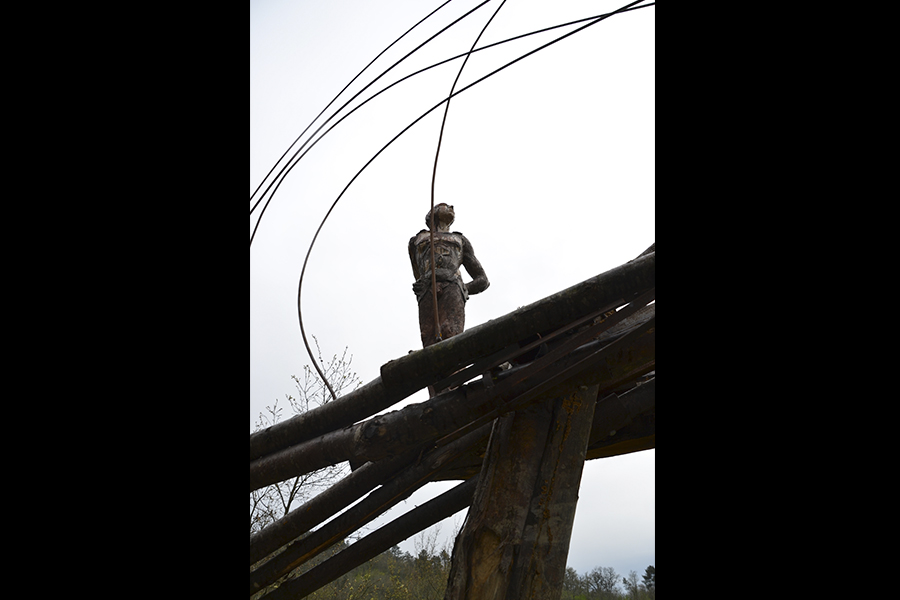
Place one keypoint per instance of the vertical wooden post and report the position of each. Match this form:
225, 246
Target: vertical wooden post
515, 541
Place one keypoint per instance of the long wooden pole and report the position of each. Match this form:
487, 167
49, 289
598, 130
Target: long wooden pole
376, 503
399, 431
408, 374
516, 536
324, 505
611, 419
421, 517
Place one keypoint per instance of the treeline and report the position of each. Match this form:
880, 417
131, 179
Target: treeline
398, 575
603, 583
392, 575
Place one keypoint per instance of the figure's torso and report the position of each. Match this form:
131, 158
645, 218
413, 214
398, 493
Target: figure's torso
448, 251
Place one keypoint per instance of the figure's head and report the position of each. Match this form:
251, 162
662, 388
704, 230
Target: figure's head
443, 216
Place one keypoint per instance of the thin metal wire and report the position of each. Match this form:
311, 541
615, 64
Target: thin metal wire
388, 47
282, 174
289, 167
437, 154
404, 130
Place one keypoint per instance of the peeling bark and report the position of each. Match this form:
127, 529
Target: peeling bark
516, 537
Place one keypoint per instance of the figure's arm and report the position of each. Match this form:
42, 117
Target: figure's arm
418, 287
412, 257
479, 281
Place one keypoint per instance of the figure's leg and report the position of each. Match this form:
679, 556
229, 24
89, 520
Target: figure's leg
426, 326
451, 315
426, 320
452, 310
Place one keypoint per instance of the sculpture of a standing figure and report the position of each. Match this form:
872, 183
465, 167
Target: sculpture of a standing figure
452, 250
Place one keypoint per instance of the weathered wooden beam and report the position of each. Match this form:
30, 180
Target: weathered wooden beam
392, 433
406, 375
419, 368
615, 412
610, 448
325, 505
405, 526
398, 431
346, 410
621, 424
376, 503
516, 537
624, 423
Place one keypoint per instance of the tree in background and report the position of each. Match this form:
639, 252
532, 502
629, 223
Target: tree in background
427, 580
645, 590
650, 578
631, 585
602, 583
269, 504
573, 586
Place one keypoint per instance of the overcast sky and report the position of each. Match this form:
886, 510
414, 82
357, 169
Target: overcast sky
549, 164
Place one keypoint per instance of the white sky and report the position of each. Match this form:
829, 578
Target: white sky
550, 165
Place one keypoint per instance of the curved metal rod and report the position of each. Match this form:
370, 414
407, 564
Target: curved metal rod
405, 129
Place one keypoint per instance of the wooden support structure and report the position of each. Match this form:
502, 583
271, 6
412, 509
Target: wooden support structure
376, 503
516, 537
581, 387
420, 518
406, 375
